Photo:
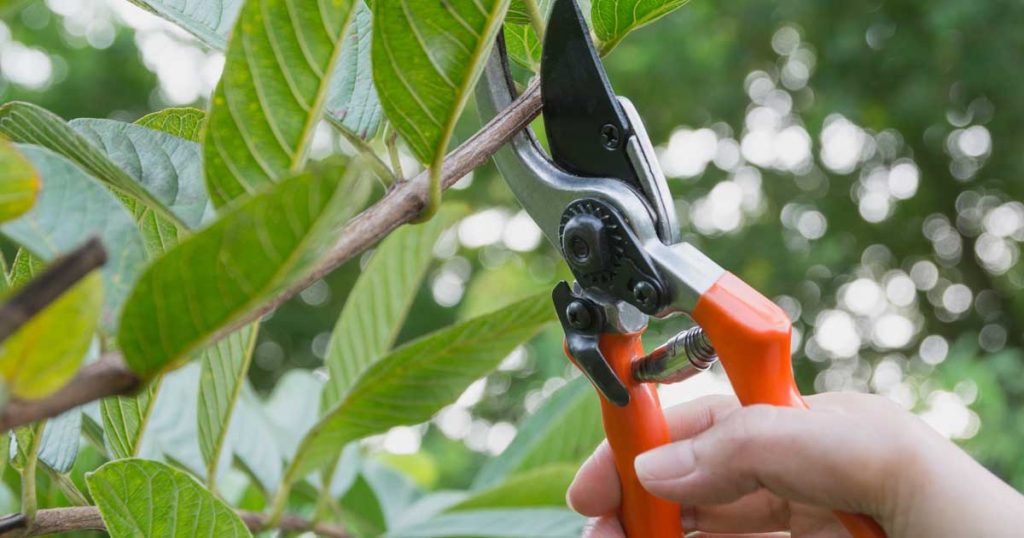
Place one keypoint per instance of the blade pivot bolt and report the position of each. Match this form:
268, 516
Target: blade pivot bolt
579, 249
579, 315
610, 136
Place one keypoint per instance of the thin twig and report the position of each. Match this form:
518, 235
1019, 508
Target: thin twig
109, 376
43, 290
67, 486
536, 18
391, 142
79, 518
374, 161
291, 523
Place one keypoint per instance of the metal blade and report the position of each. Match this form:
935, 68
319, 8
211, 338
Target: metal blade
586, 126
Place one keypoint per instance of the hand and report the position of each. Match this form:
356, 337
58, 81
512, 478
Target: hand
763, 469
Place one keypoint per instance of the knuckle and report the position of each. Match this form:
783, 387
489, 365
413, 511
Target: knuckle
751, 426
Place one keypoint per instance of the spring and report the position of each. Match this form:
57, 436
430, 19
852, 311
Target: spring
697, 347
681, 357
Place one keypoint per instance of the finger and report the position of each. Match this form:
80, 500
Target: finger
761, 511
824, 458
741, 535
603, 527
595, 490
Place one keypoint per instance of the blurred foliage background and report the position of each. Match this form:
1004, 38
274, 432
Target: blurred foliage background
859, 163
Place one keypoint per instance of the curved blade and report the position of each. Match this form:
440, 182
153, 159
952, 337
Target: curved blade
586, 126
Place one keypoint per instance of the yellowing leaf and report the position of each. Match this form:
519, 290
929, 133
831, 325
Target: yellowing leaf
19, 182
46, 352
183, 122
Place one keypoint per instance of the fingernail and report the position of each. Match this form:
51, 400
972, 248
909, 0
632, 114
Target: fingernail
666, 462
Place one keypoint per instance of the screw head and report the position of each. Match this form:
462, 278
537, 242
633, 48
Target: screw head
644, 293
579, 315
610, 136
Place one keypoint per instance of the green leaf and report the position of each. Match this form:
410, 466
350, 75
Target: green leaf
62, 434
182, 122
25, 267
418, 379
352, 101
521, 40
124, 420
614, 19
396, 492
522, 46
171, 433
139, 498
19, 182
518, 13
33, 362
276, 76
379, 498
254, 440
289, 408
59, 446
427, 57
71, 208
168, 166
509, 523
24, 438
224, 367
544, 486
209, 20
378, 303
251, 253
361, 509
30, 124
565, 429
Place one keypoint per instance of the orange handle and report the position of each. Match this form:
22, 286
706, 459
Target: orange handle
633, 430
752, 337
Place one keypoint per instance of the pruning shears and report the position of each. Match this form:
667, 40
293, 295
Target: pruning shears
603, 202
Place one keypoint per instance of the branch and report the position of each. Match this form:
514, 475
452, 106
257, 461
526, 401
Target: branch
43, 290
291, 523
109, 376
106, 377
78, 518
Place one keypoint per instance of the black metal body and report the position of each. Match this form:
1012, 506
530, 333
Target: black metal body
586, 126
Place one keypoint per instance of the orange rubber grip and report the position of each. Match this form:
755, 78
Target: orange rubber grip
633, 430
752, 337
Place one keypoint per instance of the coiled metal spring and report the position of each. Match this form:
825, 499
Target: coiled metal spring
684, 355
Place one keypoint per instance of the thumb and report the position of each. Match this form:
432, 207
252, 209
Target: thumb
833, 459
